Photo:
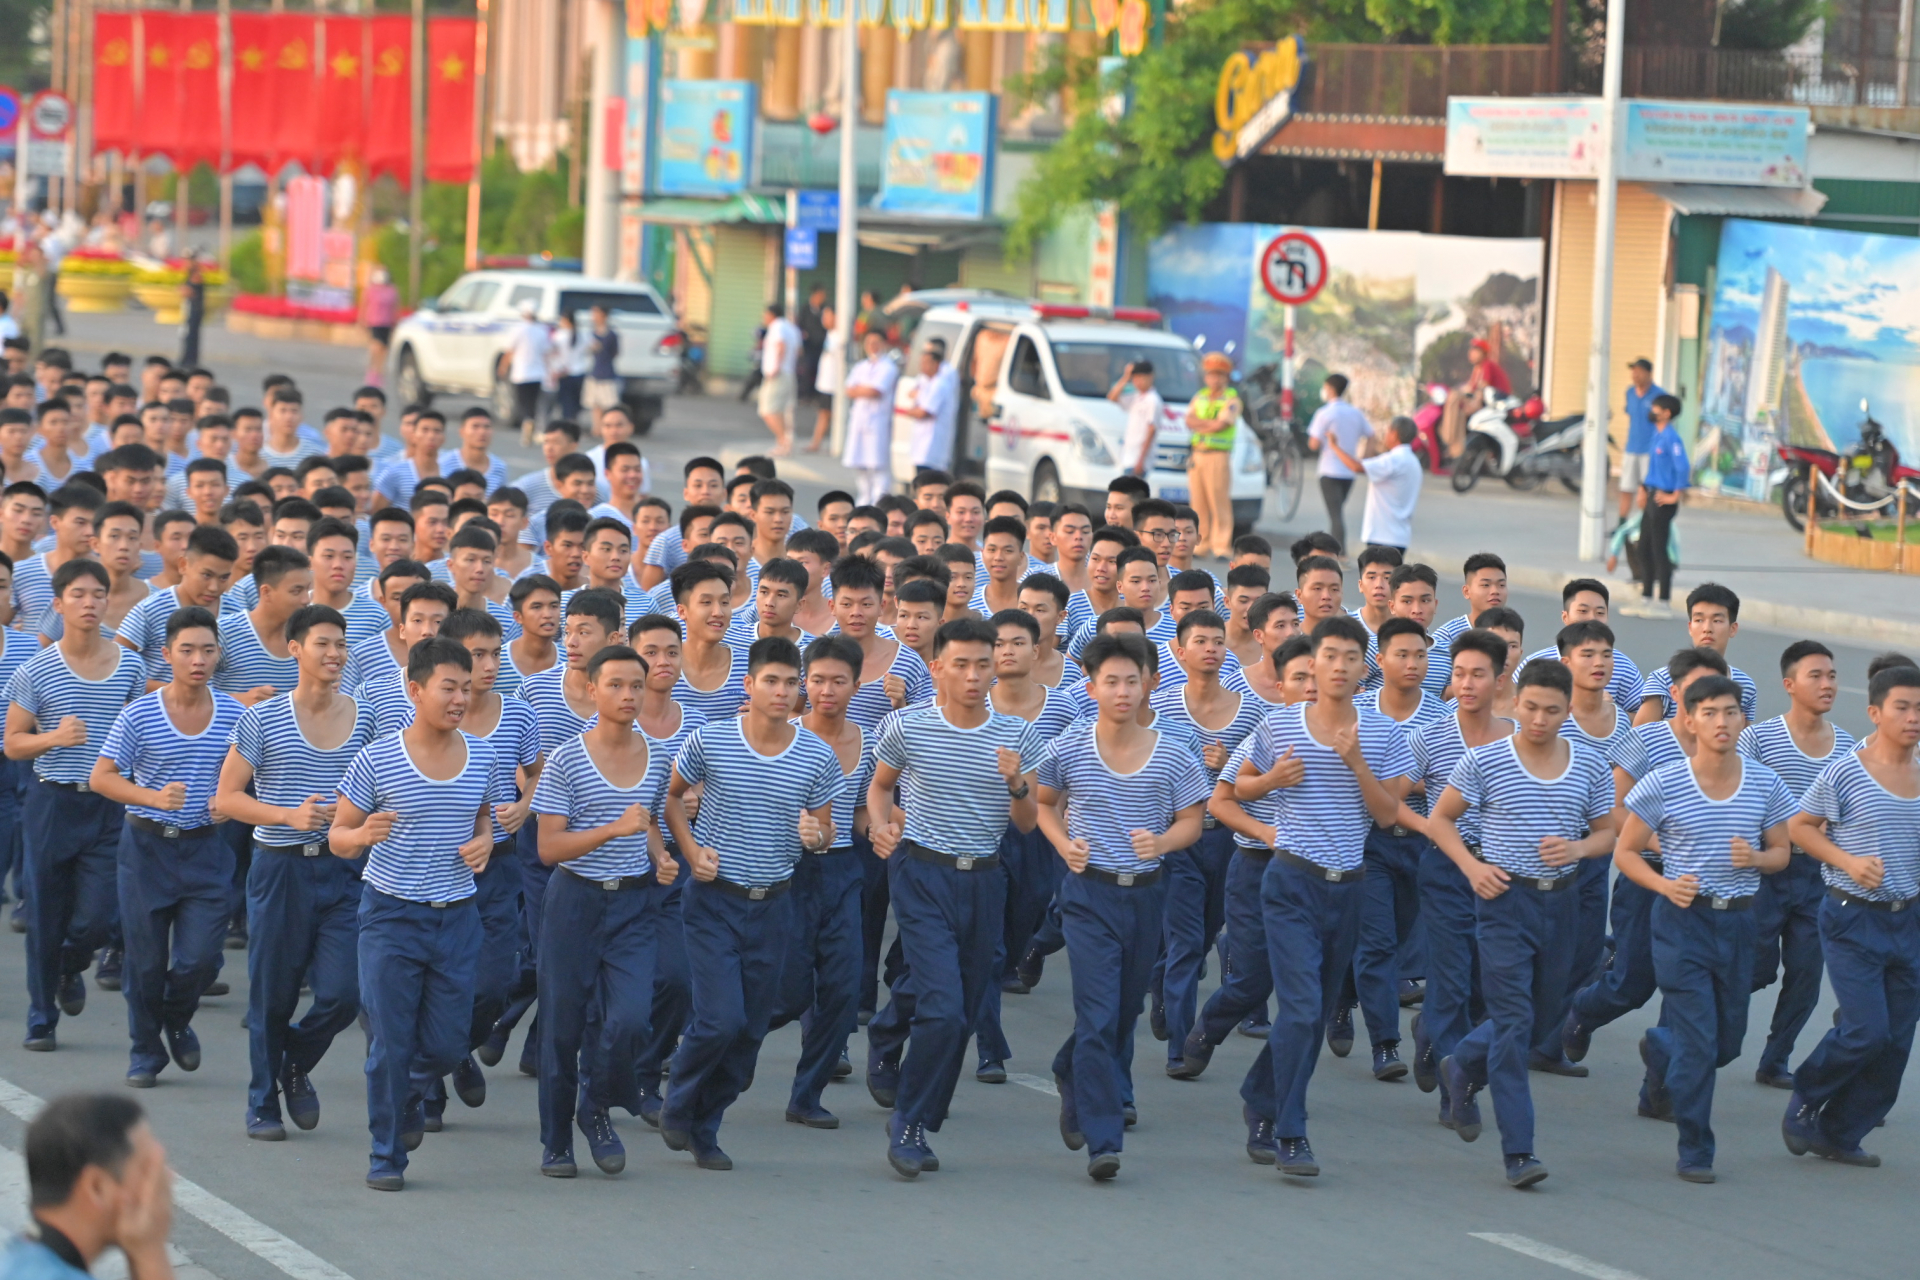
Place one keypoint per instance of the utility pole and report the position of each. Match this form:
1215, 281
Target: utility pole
1593, 442
417, 178
479, 136
846, 264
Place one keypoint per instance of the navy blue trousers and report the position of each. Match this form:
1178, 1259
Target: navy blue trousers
596, 994
1196, 912
496, 896
1312, 928
1246, 979
1853, 1074
14, 776
1704, 961
72, 856
672, 996
1387, 917
1526, 957
416, 984
820, 974
874, 897
1629, 980
1786, 914
1034, 871
1453, 1001
734, 951
174, 911
1112, 936
1590, 944
303, 926
950, 924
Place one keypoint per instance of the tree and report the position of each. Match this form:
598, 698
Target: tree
1767, 24
26, 55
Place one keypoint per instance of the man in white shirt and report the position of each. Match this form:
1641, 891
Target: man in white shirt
936, 397
1337, 419
527, 357
1393, 486
779, 376
869, 447
1134, 392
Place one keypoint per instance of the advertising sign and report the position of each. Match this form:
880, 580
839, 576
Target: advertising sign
1715, 142
1524, 137
705, 137
938, 156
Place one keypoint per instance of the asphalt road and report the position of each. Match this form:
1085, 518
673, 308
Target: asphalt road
1398, 1191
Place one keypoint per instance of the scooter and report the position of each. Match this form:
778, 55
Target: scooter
1513, 439
1868, 476
1426, 420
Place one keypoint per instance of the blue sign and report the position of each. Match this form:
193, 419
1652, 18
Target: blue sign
939, 154
9, 109
819, 210
706, 137
803, 248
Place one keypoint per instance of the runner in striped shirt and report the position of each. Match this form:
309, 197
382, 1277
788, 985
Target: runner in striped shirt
1786, 911
405, 590
775, 597
70, 513
1004, 558
423, 608
768, 793
1392, 903
117, 528
470, 572
1713, 620
333, 548
254, 661
283, 766
1587, 600
417, 804
1483, 586
597, 801
1273, 619
891, 674
1196, 877
62, 703
1138, 573
1135, 797
700, 494
537, 611
1189, 591
1102, 591
1862, 819
1045, 597
1721, 821
162, 760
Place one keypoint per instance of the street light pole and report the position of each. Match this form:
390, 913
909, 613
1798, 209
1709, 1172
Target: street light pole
846, 264
1593, 473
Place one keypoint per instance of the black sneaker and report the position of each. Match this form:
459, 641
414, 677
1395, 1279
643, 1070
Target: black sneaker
113, 963
883, 1081
184, 1046
1195, 1053
843, 1068
469, 1083
1261, 1147
303, 1104
1296, 1158
609, 1153
73, 994
1156, 1022
1340, 1031
1386, 1062
1524, 1169
1575, 1038
1030, 968
1426, 1067
1412, 992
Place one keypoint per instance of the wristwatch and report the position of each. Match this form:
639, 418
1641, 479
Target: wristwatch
1021, 794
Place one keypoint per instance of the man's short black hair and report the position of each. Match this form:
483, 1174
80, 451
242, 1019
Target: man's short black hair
1885, 682
1575, 586
1048, 583
525, 586
200, 466
1687, 661
791, 572
212, 540
974, 630
73, 570
830, 497
769, 651
1011, 498
928, 477
1482, 560
1340, 627
309, 616
1015, 618
694, 572
1189, 580
1502, 618
1399, 627
816, 542
1132, 486
921, 591
771, 489
574, 464
841, 649
1378, 555
857, 573
1412, 573
653, 622
1008, 526
73, 1132
1130, 648
1714, 593
1114, 533
1317, 564
702, 463
428, 590
462, 623
1477, 640
469, 537
1249, 575
1260, 610
1119, 613
1587, 631
695, 511
1148, 508
433, 653
1712, 687
1547, 673
615, 653
1196, 619
1317, 543
295, 508
429, 496
186, 619
1791, 656
600, 604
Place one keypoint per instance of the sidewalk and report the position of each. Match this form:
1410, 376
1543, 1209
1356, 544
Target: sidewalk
1757, 555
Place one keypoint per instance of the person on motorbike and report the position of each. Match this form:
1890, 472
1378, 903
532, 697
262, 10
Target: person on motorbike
1484, 374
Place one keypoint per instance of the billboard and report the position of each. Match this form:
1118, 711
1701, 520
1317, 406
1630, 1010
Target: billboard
1397, 312
1703, 142
706, 137
1524, 137
937, 160
1806, 324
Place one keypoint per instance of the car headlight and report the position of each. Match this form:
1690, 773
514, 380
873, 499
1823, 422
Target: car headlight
1090, 447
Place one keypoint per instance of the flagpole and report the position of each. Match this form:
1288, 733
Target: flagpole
226, 134
479, 136
417, 178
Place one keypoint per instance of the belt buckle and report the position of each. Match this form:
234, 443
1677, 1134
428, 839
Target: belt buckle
1716, 903
1124, 879
963, 864
439, 906
1544, 883
82, 787
312, 848
1900, 904
757, 893
170, 831
609, 885
1333, 875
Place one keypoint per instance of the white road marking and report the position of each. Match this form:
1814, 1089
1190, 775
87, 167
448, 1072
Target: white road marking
245, 1230
1039, 1084
1557, 1257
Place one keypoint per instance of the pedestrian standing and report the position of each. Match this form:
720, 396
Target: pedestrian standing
1635, 456
1213, 419
1338, 418
601, 345
779, 377
572, 360
1134, 392
524, 366
869, 450
193, 312
1393, 486
379, 312
1669, 476
933, 404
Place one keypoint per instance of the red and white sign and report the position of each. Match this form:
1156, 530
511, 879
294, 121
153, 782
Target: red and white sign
50, 116
1293, 267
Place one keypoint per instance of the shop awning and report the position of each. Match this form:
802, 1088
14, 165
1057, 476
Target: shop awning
745, 207
1740, 202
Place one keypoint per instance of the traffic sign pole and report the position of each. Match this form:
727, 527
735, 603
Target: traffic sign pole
1293, 269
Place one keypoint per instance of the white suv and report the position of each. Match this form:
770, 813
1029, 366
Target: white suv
452, 344
1034, 414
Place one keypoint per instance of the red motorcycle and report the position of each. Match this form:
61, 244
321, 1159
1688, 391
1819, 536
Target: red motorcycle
1868, 476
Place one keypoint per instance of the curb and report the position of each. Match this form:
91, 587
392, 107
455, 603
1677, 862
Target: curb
1767, 615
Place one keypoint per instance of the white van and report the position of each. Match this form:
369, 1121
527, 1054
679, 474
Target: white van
1034, 415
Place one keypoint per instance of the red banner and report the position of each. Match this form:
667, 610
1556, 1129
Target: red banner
200, 124
250, 133
292, 91
158, 128
389, 146
343, 82
450, 99
113, 103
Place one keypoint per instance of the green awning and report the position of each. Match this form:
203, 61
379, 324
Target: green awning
745, 207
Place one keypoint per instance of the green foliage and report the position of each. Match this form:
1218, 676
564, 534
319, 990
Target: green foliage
247, 264
24, 54
1767, 24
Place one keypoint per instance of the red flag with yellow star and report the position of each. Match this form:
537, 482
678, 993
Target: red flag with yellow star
113, 104
343, 87
293, 99
250, 132
201, 129
390, 99
157, 127
450, 99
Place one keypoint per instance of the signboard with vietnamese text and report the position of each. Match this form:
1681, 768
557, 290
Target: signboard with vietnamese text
1524, 137
1715, 142
705, 141
937, 160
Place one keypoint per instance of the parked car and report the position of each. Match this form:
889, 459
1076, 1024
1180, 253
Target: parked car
452, 344
1034, 414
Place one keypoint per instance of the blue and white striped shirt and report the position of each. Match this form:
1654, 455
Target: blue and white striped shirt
495, 471
1660, 685
1324, 818
365, 620
1518, 810
245, 662
419, 860
32, 587
750, 803
149, 750
1626, 686
1868, 821
632, 606
1644, 748
956, 801
368, 660
1430, 710
242, 594
516, 744
1266, 809
1771, 743
1173, 675
1172, 705
16, 647
1162, 631
288, 766
507, 683
573, 787
1696, 831
545, 691
667, 550
386, 696
870, 704
1437, 748
48, 688
1609, 746
399, 479
856, 793
1079, 613
1058, 711
723, 701
1105, 807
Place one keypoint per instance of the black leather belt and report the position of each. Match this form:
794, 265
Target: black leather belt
1714, 902
166, 830
1397, 831
310, 849
613, 884
1543, 884
957, 861
1871, 904
1123, 879
836, 848
1253, 851
454, 902
79, 788
751, 892
1331, 875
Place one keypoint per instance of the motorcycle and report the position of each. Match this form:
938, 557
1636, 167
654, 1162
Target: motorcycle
1867, 477
1282, 443
1512, 438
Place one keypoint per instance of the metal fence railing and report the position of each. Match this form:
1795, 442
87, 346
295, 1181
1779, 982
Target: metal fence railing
1416, 80
1750, 75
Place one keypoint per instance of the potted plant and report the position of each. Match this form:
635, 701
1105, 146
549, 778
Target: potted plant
94, 282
